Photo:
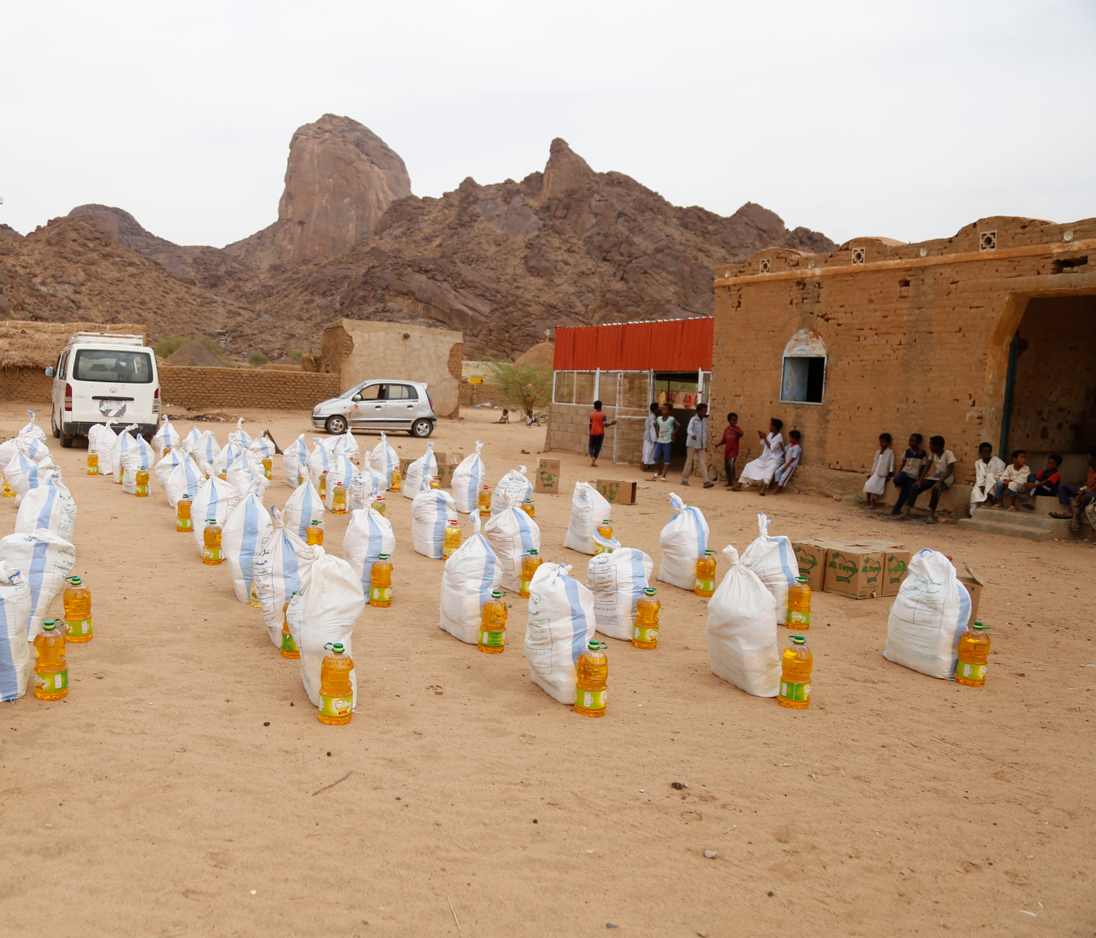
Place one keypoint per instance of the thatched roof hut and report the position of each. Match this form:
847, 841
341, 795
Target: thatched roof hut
37, 344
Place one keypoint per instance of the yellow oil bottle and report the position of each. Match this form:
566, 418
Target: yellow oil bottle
705, 574
435, 482
529, 508
593, 674
336, 694
212, 554
93, 465
142, 482
483, 502
795, 680
605, 529
253, 598
323, 484
183, 521
973, 656
395, 484
9, 492
338, 499
314, 534
380, 582
529, 566
289, 647
50, 663
268, 467
799, 605
645, 632
451, 540
380, 506
492, 637
77, 602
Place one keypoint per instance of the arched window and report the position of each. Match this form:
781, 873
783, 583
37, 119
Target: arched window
804, 377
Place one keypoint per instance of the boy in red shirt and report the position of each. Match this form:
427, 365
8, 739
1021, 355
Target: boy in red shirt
731, 436
597, 431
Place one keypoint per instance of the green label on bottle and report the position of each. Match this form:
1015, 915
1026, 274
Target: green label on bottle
184, 524
790, 691
55, 680
380, 593
971, 671
212, 553
492, 639
288, 644
645, 633
79, 627
524, 589
796, 618
336, 706
704, 586
142, 491
591, 699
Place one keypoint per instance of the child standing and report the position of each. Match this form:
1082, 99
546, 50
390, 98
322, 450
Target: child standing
882, 468
650, 439
784, 474
597, 431
731, 437
666, 429
696, 445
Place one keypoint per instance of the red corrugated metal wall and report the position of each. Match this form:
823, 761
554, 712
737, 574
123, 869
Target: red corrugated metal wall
667, 345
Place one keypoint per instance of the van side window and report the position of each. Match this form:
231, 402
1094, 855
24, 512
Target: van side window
61, 364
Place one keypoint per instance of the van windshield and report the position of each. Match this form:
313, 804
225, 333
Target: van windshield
121, 366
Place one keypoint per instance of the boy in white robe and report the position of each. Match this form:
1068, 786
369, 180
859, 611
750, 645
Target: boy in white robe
987, 473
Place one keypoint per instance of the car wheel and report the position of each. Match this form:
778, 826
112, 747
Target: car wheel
422, 429
335, 424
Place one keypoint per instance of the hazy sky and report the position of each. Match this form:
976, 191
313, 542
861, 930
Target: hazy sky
908, 120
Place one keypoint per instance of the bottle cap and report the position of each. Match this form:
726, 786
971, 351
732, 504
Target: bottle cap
185, 495
709, 553
606, 521
798, 640
496, 594
316, 521
211, 520
980, 627
76, 581
338, 648
528, 501
595, 645
453, 521
50, 625
337, 484
382, 556
142, 468
533, 552
802, 579
649, 591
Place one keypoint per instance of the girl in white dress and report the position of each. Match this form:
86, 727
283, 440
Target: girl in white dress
760, 471
784, 474
882, 468
650, 438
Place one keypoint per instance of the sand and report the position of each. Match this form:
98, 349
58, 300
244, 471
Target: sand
185, 786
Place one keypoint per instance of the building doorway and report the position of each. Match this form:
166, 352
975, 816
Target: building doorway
682, 391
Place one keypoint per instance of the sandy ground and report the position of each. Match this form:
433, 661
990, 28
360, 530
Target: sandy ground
182, 787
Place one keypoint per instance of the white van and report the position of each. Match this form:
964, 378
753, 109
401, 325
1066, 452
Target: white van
100, 376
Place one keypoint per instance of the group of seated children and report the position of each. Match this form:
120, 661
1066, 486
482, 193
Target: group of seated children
774, 468
1015, 483
932, 472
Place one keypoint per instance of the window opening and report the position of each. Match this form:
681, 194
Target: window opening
803, 378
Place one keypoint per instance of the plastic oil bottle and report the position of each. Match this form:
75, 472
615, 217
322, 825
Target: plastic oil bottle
380, 506
77, 600
253, 597
338, 499
314, 534
492, 637
50, 665
529, 508
973, 656
336, 694
183, 521
142, 482
795, 679
268, 467
212, 554
323, 484
380, 582
451, 540
705, 574
799, 605
605, 529
435, 482
395, 484
529, 565
289, 646
593, 674
645, 632
93, 464
484, 502
9, 492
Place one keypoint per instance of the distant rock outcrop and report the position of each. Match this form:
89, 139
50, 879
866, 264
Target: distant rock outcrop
193, 354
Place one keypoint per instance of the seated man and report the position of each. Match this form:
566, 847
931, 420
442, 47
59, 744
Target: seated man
938, 474
1077, 498
987, 470
1046, 481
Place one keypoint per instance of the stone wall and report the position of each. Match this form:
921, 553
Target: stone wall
569, 432
26, 384
229, 388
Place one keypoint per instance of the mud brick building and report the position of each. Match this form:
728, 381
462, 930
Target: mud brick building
987, 335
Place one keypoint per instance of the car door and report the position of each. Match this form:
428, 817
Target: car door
403, 403
368, 408
58, 393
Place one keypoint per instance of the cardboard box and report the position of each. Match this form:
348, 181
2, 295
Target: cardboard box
812, 563
854, 571
974, 585
617, 491
547, 481
406, 461
896, 565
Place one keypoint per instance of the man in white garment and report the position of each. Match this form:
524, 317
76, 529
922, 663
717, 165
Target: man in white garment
987, 473
696, 446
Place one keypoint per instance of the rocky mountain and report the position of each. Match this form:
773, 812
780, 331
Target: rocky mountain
504, 263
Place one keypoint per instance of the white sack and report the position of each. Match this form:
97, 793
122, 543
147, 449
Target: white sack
774, 562
385, 459
205, 450
295, 462
185, 479
928, 617
367, 485
261, 448
742, 640
31, 430
560, 626
511, 491
248, 477
368, 535
24, 474
342, 470
246, 532
8, 449
430, 512
467, 481
278, 572
45, 560
420, 472
319, 461
347, 446
683, 542
588, 509
163, 468
469, 576
302, 508
229, 456
122, 444
322, 613
617, 581
166, 436
33, 448
215, 499
15, 656
191, 440
49, 506
103, 444
239, 435
512, 534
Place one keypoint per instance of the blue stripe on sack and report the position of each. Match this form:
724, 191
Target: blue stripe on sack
37, 573
439, 525
785, 560
375, 542
306, 512
9, 680
291, 568
525, 528
47, 508
578, 617
701, 537
639, 579
251, 540
211, 507
490, 563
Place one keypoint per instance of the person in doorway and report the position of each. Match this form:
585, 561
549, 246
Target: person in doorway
1013, 483
784, 474
987, 470
505, 418
913, 464
1046, 481
760, 471
1077, 498
650, 439
882, 468
936, 475
696, 446
666, 428
598, 424
731, 437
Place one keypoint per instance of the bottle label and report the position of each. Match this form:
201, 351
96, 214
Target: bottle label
55, 680
185, 524
380, 593
798, 618
142, 491
336, 706
212, 553
79, 627
287, 642
971, 671
791, 691
592, 699
492, 639
704, 586
645, 633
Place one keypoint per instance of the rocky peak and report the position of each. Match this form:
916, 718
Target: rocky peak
565, 170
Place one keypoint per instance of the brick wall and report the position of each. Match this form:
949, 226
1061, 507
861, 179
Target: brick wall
228, 388
26, 384
569, 432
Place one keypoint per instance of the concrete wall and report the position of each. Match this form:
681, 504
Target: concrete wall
357, 350
228, 388
917, 337
569, 432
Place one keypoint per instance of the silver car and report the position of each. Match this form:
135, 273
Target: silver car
379, 404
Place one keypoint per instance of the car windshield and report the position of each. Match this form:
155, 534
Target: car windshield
121, 366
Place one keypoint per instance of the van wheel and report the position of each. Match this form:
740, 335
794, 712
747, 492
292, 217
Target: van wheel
335, 424
422, 429
54, 428
66, 441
